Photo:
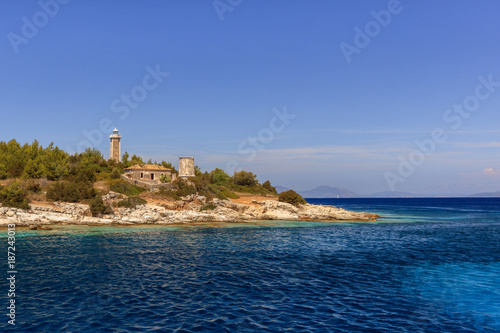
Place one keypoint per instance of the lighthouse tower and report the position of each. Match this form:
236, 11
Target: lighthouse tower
115, 149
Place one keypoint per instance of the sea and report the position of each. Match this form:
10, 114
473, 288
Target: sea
427, 265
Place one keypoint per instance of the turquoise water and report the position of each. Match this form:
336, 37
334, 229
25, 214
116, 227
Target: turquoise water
428, 265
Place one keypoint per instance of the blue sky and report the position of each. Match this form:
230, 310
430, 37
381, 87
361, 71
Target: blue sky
352, 119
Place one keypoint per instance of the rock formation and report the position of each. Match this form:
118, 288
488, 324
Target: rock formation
185, 211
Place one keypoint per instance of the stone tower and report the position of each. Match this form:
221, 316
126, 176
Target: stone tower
115, 149
186, 167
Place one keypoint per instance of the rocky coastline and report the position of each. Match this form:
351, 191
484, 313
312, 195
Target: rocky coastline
190, 209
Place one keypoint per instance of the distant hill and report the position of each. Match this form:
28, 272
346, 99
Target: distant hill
280, 189
486, 194
329, 192
391, 194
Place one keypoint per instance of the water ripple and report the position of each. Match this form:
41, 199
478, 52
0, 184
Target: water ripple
398, 277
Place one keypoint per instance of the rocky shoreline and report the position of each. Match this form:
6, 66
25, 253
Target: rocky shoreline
191, 209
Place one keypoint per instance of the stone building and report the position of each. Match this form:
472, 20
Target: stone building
115, 149
186, 167
147, 173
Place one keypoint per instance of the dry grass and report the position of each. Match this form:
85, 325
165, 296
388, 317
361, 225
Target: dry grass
246, 198
154, 198
102, 185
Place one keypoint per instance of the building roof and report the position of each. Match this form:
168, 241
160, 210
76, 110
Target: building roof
147, 167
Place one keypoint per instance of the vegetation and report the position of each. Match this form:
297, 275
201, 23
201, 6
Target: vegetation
115, 174
32, 161
267, 185
219, 177
97, 207
291, 197
165, 179
14, 196
209, 206
49, 173
245, 178
131, 202
121, 186
71, 192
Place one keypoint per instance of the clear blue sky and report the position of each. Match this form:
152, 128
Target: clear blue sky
353, 121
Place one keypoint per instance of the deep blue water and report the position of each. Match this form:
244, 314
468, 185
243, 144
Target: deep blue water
429, 265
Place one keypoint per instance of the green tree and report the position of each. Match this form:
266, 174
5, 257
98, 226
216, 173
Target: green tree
219, 177
197, 171
170, 166
135, 160
115, 174
125, 160
14, 196
33, 169
267, 185
245, 178
97, 207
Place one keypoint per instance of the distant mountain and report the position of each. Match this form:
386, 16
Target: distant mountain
329, 192
486, 194
280, 189
391, 194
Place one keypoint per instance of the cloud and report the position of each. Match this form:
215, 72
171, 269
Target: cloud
491, 172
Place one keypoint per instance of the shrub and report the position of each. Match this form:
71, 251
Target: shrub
228, 193
131, 202
184, 188
98, 207
14, 196
245, 178
209, 206
267, 185
115, 174
70, 192
126, 188
291, 197
219, 177
165, 179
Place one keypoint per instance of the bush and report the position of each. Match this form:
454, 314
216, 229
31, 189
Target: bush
14, 196
3, 174
115, 174
70, 192
184, 188
291, 197
228, 193
245, 178
131, 202
165, 179
98, 207
126, 188
209, 206
219, 177
267, 185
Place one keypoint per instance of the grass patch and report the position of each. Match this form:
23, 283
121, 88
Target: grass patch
126, 188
